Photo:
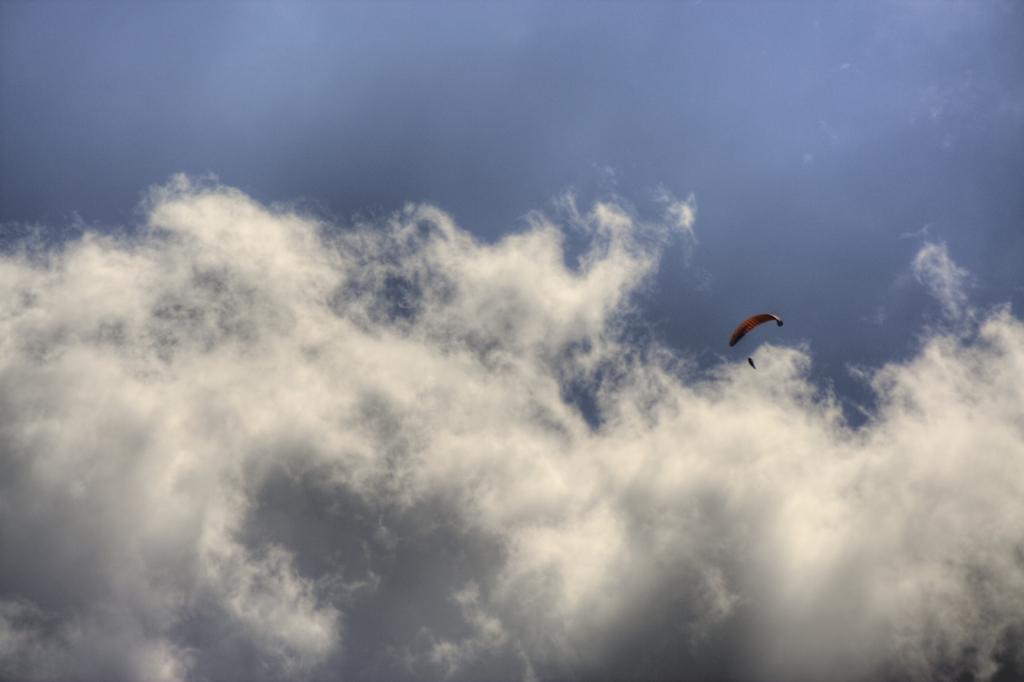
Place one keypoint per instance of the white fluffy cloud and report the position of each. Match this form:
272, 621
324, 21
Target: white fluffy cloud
243, 443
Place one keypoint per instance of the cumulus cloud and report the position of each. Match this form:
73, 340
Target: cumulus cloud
244, 443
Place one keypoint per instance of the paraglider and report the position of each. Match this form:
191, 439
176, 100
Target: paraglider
749, 323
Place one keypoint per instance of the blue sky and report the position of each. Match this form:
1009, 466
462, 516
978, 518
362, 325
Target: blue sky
824, 142
513, 176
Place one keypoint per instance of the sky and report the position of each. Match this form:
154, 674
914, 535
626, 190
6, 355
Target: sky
352, 341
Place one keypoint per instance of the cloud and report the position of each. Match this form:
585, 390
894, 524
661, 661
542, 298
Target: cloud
943, 278
683, 214
680, 215
245, 443
922, 232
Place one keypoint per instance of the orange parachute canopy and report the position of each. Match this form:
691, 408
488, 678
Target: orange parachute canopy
751, 322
